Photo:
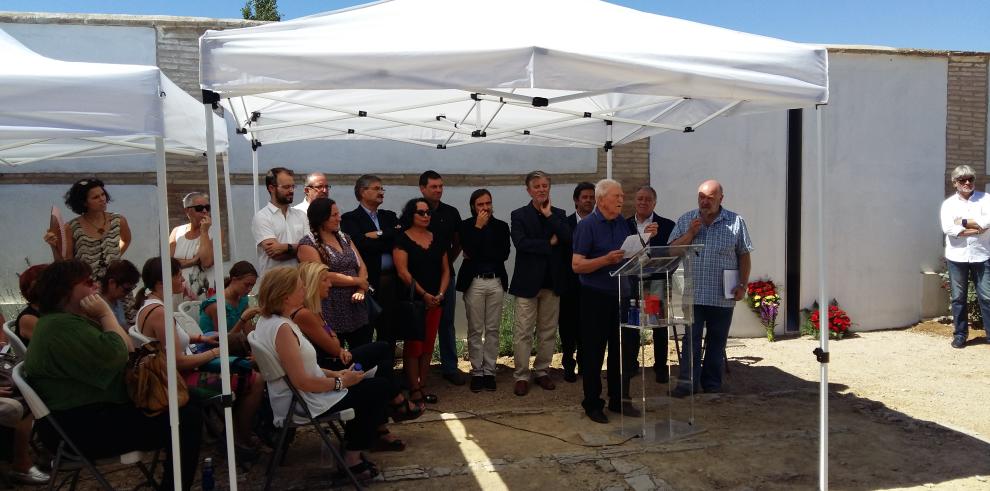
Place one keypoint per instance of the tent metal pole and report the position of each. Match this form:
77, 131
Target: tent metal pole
226, 396
254, 180
230, 209
823, 323
170, 346
142, 146
608, 149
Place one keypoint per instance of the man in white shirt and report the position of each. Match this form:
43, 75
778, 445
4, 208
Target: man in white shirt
316, 187
277, 227
965, 218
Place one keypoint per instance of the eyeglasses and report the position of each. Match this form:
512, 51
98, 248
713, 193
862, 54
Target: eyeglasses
962, 180
325, 187
127, 288
199, 208
376, 188
287, 186
424, 213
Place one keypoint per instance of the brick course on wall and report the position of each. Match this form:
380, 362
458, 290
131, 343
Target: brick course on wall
966, 116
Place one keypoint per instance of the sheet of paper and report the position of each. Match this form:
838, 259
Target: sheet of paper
730, 277
372, 372
57, 225
633, 244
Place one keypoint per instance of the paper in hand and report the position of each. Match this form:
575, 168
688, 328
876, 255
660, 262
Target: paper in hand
633, 244
730, 277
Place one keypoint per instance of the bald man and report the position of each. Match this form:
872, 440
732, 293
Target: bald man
726, 247
316, 187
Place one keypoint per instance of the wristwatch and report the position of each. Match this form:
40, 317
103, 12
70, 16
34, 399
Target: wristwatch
288, 249
379, 232
964, 222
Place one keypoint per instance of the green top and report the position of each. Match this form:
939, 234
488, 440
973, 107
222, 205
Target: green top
72, 362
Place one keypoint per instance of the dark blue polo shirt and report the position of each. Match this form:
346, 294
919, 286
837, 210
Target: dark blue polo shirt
595, 237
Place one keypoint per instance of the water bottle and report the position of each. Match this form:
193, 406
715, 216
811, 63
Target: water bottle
633, 314
208, 484
356, 367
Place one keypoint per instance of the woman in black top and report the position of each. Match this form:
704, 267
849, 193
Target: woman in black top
27, 318
421, 263
483, 281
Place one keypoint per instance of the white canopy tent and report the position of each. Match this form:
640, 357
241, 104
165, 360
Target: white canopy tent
51, 109
448, 73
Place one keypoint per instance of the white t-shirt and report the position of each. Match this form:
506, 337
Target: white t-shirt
278, 391
641, 226
303, 207
198, 279
972, 249
270, 223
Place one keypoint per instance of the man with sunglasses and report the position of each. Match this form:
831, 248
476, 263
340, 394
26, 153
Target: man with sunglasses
316, 187
278, 227
965, 217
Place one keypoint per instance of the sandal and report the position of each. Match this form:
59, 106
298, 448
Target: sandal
429, 398
385, 445
404, 411
422, 400
362, 471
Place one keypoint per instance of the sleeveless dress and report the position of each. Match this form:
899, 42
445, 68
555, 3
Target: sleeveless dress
199, 280
340, 312
96, 252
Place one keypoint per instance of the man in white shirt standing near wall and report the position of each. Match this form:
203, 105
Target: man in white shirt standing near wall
965, 218
277, 228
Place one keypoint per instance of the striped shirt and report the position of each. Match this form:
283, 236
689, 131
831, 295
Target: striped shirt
724, 241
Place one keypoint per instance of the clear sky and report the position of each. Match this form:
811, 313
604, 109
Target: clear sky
962, 25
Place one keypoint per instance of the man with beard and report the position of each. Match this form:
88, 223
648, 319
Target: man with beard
278, 227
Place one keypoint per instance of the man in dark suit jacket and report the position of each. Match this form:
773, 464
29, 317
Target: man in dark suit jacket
570, 300
646, 221
542, 240
373, 231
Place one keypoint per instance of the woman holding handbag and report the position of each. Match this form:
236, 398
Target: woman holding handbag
345, 309
422, 266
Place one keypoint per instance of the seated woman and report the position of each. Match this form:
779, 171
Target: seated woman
28, 318
151, 323
330, 354
14, 415
241, 281
76, 364
280, 294
116, 287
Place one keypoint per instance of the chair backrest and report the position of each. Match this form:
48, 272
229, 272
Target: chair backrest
138, 336
37, 406
15, 341
267, 360
187, 323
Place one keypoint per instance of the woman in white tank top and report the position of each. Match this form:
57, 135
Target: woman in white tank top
192, 245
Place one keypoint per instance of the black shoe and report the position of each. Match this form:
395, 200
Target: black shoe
570, 376
663, 377
680, 392
477, 383
627, 409
489, 383
456, 377
597, 416
958, 341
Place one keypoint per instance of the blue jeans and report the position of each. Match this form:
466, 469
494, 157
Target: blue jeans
959, 275
445, 336
708, 371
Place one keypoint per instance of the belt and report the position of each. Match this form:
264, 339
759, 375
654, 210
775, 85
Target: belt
487, 276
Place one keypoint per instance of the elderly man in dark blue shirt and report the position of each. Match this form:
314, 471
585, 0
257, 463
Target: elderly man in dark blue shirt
597, 252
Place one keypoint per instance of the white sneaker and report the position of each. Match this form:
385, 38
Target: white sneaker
34, 475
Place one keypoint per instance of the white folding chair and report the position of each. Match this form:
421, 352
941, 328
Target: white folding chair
67, 455
139, 338
186, 315
298, 413
14, 340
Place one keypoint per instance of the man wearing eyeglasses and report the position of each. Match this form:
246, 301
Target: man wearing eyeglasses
316, 187
277, 228
965, 217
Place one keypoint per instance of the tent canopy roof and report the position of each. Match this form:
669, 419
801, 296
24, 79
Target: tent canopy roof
52, 108
414, 70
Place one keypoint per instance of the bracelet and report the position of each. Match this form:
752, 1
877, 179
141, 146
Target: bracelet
337, 384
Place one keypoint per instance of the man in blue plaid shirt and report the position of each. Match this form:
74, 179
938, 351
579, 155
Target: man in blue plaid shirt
726, 247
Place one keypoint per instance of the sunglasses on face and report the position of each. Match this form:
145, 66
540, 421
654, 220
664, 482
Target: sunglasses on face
963, 180
199, 208
424, 213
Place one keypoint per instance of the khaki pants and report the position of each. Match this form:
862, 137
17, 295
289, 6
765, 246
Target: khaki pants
539, 312
483, 306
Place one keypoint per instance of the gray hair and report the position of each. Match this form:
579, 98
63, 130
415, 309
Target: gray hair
363, 183
647, 187
536, 174
962, 171
313, 175
187, 201
602, 187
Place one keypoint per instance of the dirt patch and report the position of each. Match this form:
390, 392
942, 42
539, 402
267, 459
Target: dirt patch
905, 411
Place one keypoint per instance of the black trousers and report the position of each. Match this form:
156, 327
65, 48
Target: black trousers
369, 399
600, 330
106, 430
569, 326
377, 354
386, 296
356, 338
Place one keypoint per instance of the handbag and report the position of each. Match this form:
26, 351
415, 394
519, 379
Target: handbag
146, 375
412, 316
374, 309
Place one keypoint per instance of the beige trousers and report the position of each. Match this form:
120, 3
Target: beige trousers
539, 312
